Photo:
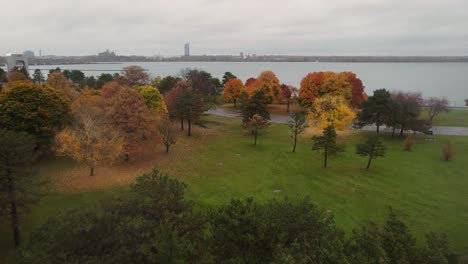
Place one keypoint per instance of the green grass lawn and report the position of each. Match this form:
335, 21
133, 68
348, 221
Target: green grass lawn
428, 193
456, 117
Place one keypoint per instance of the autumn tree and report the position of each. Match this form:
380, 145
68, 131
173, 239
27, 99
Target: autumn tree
14, 76
226, 77
255, 123
249, 82
19, 187
40, 111
330, 110
288, 93
174, 104
154, 99
297, 124
89, 139
409, 142
58, 81
232, 90
167, 133
326, 144
466, 102
372, 147
343, 84
357, 91
135, 75
434, 106
376, 109
268, 83
126, 110
38, 77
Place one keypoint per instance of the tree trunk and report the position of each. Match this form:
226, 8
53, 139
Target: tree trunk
325, 160
378, 128
295, 141
255, 134
401, 132
127, 157
189, 127
91, 171
235, 103
167, 149
287, 107
13, 210
182, 124
393, 131
369, 162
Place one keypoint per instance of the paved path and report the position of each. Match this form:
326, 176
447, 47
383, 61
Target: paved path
438, 130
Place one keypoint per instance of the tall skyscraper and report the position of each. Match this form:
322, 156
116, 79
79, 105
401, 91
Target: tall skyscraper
187, 49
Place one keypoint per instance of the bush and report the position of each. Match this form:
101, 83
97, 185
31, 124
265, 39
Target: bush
409, 142
447, 151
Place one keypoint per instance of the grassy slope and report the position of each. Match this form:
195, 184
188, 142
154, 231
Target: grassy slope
456, 117
428, 193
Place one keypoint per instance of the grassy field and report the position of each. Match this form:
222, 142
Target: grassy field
428, 193
456, 117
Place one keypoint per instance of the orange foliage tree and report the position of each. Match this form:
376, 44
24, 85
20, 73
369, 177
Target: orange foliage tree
344, 84
14, 76
269, 83
135, 75
89, 139
232, 90
127, 111
58, 81
288, 93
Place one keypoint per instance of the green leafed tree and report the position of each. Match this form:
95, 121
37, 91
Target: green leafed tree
297, 123
326, 144
376, 109
372, 147
226, 77
40, 111
19, 186
38, 77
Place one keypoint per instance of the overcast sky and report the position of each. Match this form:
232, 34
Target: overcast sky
291, 27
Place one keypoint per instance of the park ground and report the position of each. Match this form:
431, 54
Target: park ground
220, 162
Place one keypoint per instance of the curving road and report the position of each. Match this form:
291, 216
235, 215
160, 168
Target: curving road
438, 130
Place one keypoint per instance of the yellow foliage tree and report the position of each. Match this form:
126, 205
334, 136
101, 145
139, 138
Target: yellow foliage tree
232, 90
153, 98
89, 139
330, 110
58, 81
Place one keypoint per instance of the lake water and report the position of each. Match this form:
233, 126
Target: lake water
431, 79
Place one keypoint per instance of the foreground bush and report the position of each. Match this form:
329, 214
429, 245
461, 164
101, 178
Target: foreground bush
153, 223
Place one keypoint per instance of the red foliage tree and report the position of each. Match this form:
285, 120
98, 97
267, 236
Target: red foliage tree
358, 94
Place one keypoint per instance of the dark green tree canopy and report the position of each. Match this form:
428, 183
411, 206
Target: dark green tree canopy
226, 77
376, 109
40, 111
372, 147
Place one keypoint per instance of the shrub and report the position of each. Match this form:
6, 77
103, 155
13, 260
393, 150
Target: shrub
409, 142
447, 151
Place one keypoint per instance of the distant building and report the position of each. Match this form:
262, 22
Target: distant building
17, 60
187, 49
28, 54
106, 53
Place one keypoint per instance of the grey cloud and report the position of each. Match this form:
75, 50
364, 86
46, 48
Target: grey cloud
298, 27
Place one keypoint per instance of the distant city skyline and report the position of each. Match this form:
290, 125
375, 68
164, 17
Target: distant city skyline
217, 27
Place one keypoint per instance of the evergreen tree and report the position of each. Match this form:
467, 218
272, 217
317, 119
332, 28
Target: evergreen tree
373, 147
38, 77
18, 185
376, 109
326, 144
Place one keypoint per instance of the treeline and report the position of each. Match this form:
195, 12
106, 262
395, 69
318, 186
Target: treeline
155, 223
